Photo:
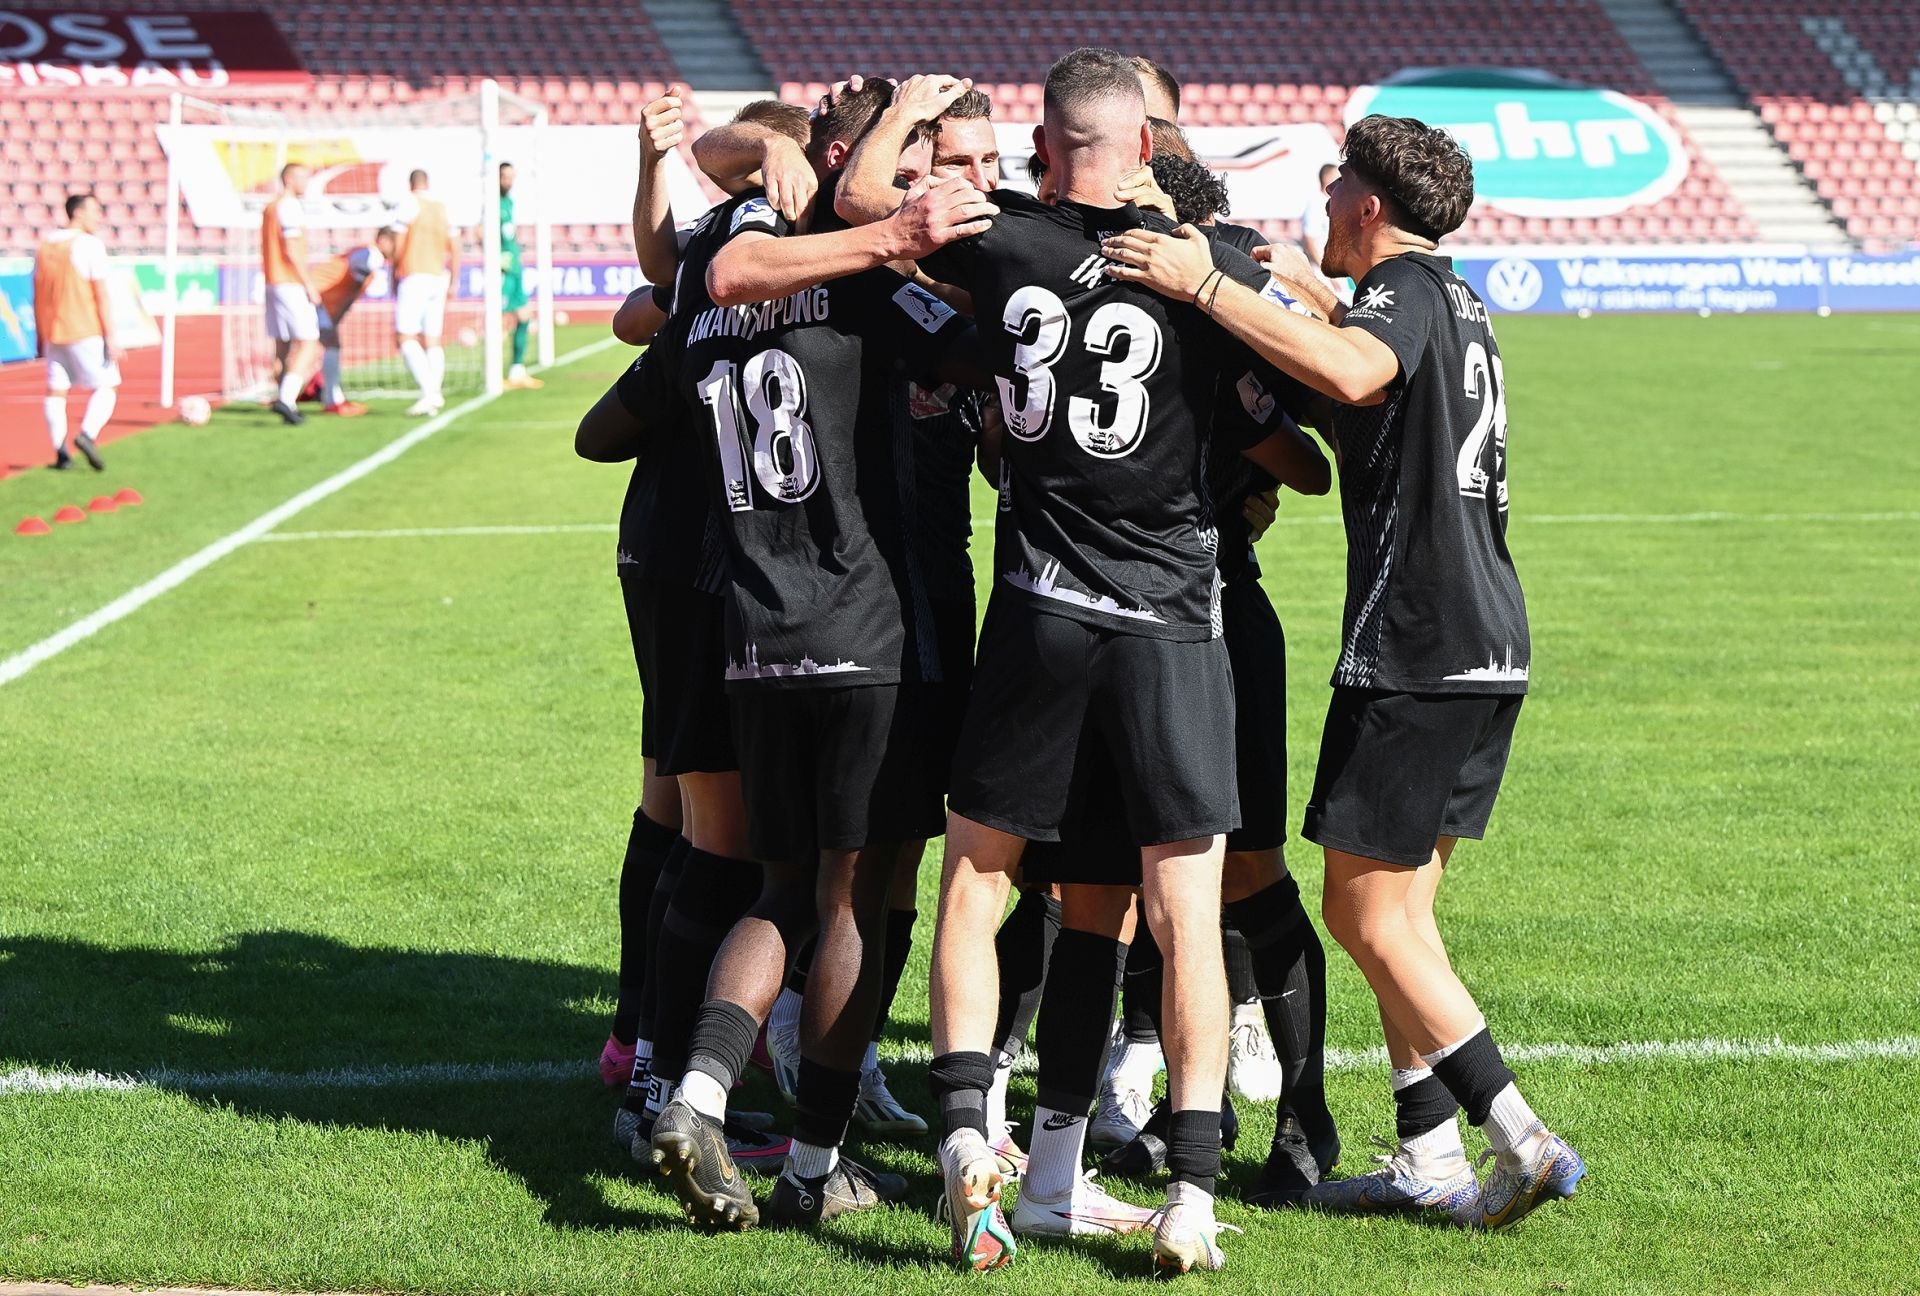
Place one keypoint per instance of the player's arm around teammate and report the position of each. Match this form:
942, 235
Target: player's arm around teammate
867, 191
1434, 662
662, 128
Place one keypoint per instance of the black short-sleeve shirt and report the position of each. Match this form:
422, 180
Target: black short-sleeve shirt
1433, 602
795, 399
1108, 394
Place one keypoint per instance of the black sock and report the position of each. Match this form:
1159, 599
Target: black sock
1193, 1148
1082, 982
722, 1039
1290, 969
1422, 1107
1140, 991
648, 845
801, 965
663, 889
823, 1104
1474, 1074
959, 1082
899, 946
1239, 959
1022, 947
713, 893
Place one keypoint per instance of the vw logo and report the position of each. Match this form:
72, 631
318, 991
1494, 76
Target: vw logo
1514, 283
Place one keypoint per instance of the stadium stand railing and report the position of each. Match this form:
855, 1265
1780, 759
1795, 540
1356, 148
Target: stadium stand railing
588, 63
1292, 61
1836, 81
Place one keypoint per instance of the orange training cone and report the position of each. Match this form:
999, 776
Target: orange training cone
69, 513
102, 504
127, 495
33, 526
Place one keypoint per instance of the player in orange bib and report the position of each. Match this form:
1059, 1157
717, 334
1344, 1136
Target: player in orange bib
292, 316
340, 281
425, 264
72, 313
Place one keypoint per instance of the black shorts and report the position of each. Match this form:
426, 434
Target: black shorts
1258, 650
1095, 846
1398, 771
679, 644
954, 625
1049, 693
835, 768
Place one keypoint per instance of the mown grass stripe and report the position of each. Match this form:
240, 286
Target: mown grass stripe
177, 575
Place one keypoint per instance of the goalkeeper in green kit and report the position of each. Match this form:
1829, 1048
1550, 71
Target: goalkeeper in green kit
513, 288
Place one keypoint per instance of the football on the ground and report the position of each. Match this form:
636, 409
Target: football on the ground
195, 410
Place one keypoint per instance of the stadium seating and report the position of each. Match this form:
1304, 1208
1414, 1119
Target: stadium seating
1293, 61
588, 63
1835, 80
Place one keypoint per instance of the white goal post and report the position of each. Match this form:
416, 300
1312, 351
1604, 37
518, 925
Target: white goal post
225, 158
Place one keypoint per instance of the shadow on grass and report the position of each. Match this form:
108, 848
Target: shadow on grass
292, 1004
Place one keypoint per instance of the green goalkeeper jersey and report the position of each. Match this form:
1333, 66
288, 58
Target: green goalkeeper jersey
509, 237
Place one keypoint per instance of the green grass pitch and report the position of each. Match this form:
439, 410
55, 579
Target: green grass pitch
340, 806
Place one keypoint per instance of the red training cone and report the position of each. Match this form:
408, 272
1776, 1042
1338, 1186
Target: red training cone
69, 513
127, 495
101, 504
33, 526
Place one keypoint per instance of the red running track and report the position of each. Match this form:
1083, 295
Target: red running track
23, 430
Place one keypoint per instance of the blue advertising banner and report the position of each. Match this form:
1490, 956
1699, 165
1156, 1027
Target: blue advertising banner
573, 281
18, 335
1590, 282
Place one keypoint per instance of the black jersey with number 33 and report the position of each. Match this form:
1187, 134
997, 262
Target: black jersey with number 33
795, 397
1107, 392
1433, 603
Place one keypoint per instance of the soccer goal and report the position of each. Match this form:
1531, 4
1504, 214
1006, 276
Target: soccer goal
225, 159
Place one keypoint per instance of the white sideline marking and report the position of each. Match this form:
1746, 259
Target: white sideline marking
140, 595
411, 533
1599, 519
30, 1080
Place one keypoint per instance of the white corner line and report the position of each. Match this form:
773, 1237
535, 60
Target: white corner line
41, 1081
173, 577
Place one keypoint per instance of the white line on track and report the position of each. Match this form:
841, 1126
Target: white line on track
173, 577
30, 1080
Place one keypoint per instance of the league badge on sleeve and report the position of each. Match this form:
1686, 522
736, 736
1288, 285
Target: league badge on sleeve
922, 307
754, 213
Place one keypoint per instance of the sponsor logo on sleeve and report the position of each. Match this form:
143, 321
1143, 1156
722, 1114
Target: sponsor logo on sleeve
1255, 399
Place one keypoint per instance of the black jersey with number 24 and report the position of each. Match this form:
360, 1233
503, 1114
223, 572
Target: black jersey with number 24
795, 397
1433, 603
1107, 392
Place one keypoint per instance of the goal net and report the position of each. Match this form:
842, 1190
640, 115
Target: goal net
226, 159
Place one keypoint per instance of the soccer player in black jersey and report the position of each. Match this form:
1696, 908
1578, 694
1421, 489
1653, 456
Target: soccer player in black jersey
1101, 637
1435, 651
707, 879
788, 349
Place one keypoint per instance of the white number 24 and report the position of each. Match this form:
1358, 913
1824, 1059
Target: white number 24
1486, 382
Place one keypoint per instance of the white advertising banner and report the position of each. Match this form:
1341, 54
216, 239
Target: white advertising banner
586, 174
581, 175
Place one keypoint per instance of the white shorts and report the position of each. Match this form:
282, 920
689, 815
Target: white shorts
290, 316
81, 364
420, 305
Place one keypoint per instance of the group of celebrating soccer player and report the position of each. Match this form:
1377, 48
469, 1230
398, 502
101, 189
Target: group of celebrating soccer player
833, 351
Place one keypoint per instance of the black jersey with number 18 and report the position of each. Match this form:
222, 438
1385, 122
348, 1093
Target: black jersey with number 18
1433, 603
1107, 391
796, 400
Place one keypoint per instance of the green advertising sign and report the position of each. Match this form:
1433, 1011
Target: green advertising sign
1540, 146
